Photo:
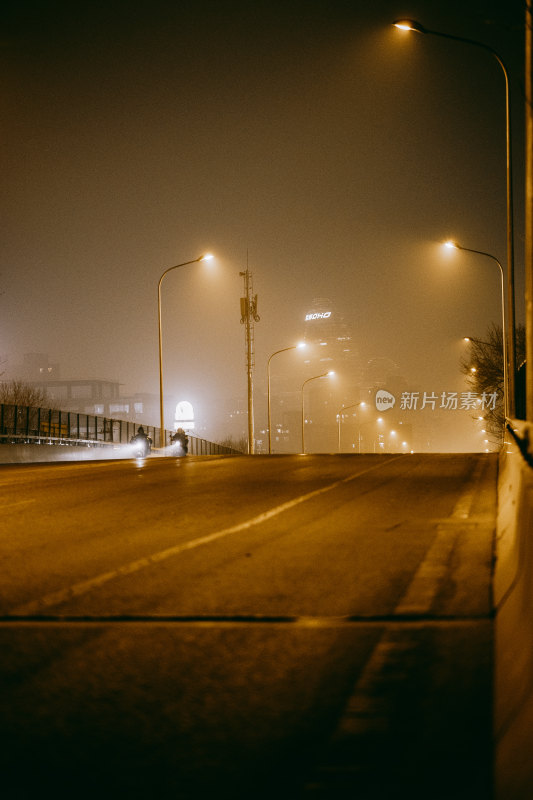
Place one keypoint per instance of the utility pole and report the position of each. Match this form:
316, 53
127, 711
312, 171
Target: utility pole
249, 315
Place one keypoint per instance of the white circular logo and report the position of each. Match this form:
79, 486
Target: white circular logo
384, 400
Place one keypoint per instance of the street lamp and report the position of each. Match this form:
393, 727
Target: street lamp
314, 378
506, 381
411, 25
205, 257
377, 432
479, 341
283, 350
339, 416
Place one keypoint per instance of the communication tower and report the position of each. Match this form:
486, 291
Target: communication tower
249, 315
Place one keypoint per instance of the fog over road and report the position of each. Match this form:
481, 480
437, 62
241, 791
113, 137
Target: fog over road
243, 626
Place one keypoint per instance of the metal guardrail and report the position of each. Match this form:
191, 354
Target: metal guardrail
28, 425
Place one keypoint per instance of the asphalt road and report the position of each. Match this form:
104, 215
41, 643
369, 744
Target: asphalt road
299, 626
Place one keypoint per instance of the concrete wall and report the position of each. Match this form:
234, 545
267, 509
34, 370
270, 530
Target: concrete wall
513, 599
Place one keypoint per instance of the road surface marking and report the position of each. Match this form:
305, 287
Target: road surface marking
14, 503
77, 589
463, 506
426, 581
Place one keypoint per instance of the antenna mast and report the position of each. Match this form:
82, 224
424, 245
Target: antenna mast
249, 315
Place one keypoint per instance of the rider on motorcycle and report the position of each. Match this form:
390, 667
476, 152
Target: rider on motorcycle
142, 439
180, 438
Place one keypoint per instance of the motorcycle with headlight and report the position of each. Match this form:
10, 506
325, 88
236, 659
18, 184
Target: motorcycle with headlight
179, 443
142, 444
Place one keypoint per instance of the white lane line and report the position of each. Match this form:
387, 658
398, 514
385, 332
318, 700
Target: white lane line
463, 506
14, 503
425, 583
427, 579
77, 589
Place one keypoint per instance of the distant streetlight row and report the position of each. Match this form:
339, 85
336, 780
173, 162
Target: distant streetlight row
300, 345
339, 419
509, 334
314, 378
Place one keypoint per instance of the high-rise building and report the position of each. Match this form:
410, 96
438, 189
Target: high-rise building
329, 337
330, 347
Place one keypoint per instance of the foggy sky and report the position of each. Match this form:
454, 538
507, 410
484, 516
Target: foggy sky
312, 138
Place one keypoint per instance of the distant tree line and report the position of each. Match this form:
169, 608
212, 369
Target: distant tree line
20, 393
241, 445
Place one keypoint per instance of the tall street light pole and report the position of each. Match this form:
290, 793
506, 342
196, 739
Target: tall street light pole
314, 378
206, 257
283, 350
411, 25
529, 213
506, 391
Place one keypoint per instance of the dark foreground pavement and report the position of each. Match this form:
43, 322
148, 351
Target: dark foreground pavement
305, 627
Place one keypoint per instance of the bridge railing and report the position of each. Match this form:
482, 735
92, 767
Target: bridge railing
29, 425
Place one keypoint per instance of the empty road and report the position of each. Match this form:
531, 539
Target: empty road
251, 626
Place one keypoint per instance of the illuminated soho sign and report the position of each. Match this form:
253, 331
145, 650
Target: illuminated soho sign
318, 315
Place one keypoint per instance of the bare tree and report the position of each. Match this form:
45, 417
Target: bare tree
483, 367
241, 444
19, 393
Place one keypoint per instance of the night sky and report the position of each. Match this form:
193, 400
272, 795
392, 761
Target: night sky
331, 150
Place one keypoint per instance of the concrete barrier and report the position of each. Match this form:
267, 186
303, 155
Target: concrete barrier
42, 453
37, 453
513, 601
